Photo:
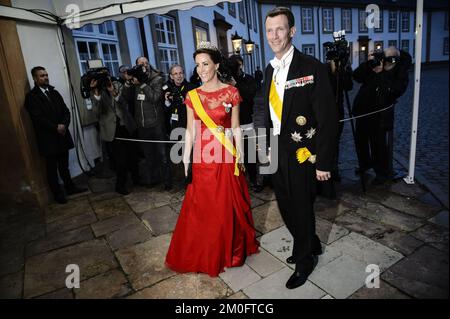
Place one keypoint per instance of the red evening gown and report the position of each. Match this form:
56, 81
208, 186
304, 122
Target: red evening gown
215, 226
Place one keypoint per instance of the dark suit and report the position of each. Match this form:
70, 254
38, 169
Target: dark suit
46, 113
295, 183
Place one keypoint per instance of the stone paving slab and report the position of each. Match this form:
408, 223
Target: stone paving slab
267, 217
144, 263
385, 291
256, 201
71, 223
11, 286
63, 293
273, 287
97, 197
389, 217
102, 185
58, 240
329, 232
266, 194
238, 295
185, 286
278, 242
424, 274
47, 272
341, 277
58, 212
406, 205
434, 235
111, 284
161, 220
440, 219
330, 209
408, 190
12, 260
361, 225
399, 241
114, 223
238, 278
128, 236
110, 208
263, 263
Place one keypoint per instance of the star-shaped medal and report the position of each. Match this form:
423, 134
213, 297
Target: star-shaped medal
310, 133
296, 137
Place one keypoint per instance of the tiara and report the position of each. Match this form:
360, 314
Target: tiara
206, 45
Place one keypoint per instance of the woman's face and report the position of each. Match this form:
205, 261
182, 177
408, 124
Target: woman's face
206, 68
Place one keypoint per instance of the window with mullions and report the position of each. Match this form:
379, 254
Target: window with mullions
392, 43
167, 42
445, 46
362, 21
241, 10
106, 28
232, 9
405, 21
309, 49
346, 20
327, 20
96, 49
255, 28
392, 21
307, 20
248, 7
380, 28
405, 45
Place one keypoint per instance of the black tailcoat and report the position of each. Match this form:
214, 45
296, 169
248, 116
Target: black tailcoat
295, 183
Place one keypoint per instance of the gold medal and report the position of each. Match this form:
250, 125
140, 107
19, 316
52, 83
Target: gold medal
301, 120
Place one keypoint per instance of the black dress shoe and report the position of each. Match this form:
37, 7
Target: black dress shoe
258, 188
75, 190
302, 272
122, 191
61, 199
316, 252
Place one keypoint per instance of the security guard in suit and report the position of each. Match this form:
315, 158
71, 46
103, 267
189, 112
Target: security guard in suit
300, 110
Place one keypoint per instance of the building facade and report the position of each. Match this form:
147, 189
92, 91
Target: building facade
316, 21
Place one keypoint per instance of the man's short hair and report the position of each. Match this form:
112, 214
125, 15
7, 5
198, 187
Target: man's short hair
282, 10
123, 68
140, 57
36, 69
173, 66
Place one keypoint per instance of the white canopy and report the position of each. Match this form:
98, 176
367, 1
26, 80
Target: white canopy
75, 14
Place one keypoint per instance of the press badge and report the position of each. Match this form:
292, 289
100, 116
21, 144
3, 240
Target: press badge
141, 97
174, 117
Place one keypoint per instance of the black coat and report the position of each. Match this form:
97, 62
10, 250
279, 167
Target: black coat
380, 90
313, 101
46, 115
246, 86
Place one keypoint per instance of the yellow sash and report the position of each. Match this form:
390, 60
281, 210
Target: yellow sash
220, 136
275, 101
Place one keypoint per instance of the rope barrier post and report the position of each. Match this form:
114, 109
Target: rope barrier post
415, 117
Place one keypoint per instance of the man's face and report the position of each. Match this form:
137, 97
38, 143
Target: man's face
41, 78
177, 75
279, 35
143, 61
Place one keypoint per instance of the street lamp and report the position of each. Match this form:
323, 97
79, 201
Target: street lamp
236, 40
249, 46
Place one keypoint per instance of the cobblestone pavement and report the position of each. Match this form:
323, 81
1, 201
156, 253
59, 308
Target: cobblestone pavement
432, 135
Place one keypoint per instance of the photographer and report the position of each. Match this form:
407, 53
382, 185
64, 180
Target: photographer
115, 121
247, 87
384, 78
144, 86
175, 92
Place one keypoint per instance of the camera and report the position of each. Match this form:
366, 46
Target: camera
378, 58
139, 72
175, 95
338, 50
96, 72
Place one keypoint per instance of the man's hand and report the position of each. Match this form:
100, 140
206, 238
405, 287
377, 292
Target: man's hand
135, 81
378, 68
322, 176
93, 85
111, 89
61, 129
166, 96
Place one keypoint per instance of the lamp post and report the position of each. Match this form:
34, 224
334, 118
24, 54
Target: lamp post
236, 41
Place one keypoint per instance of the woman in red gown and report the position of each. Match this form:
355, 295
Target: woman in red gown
215, 227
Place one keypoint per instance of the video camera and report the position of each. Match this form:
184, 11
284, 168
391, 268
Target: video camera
139, 72
96, 72
379, 57
338, 50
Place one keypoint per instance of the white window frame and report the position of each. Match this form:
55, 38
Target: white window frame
307, 15
393, 21
405, 17
328, 20
310, 47
445, 46
165, 49
346, 19
362, 15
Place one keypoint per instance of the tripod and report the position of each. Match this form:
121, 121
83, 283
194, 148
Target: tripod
341, 92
